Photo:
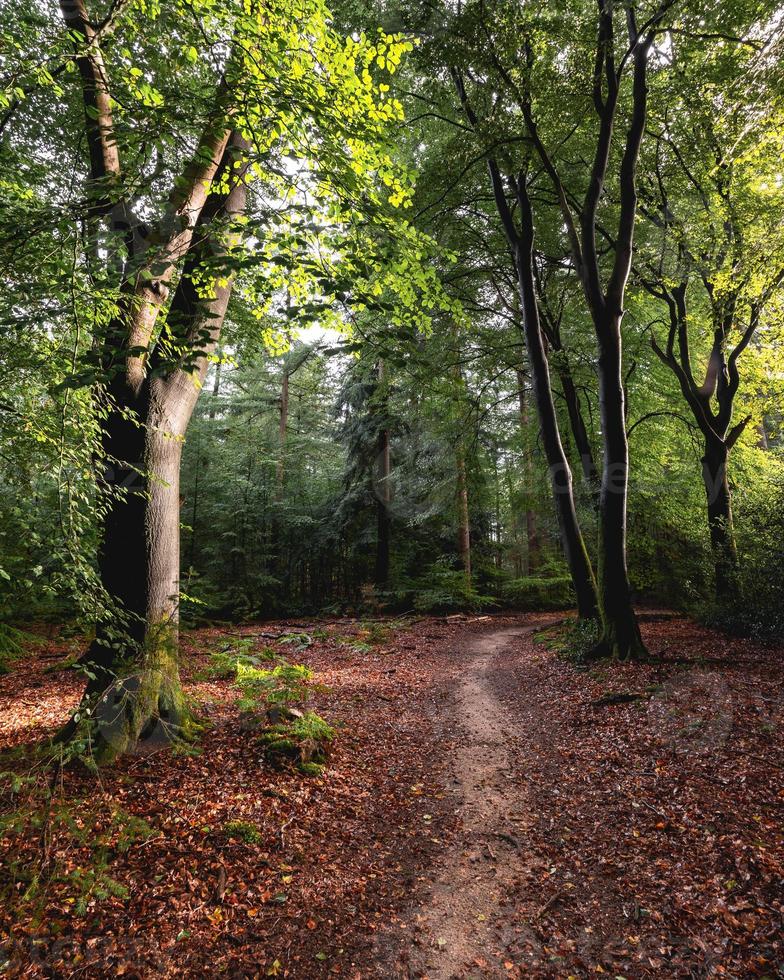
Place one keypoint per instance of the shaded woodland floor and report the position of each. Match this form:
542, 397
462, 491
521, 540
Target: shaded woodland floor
489, 810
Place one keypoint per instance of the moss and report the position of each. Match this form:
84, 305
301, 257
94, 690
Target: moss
251, 833
145, 710
311, 768
311, 726
283, 746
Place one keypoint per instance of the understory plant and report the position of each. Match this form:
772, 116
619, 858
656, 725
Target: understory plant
241, 650
274, 702
58, 846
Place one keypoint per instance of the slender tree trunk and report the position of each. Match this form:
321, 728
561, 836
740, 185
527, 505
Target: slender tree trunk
621, 634
383, 499
720, 521
201, 461
580, 433
462, 499
216, 386
560, 473
282, 434
463, 515
533, 547
383, 486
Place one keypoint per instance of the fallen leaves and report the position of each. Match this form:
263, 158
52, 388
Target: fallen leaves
202, 901
654, 842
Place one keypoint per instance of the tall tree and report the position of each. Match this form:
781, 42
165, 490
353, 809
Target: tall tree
520, 236
605, 298
170, 267
715, 248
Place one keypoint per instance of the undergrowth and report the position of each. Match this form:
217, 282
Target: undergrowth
276, 698
61, 847
572, 640
241, 650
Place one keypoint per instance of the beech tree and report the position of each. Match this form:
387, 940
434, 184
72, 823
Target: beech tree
521, 243
187, 192
713, 200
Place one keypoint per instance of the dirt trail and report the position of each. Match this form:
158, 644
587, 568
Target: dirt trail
460, 929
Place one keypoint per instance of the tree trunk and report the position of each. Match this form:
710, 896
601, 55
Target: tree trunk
216, 387
282, 434
620, 634
463, 516
532, 534
720, 521
577, 424
383, 498
122, 560
132, 663
383, 488
560, 472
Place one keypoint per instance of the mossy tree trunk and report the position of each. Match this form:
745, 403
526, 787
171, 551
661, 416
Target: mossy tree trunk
134, 684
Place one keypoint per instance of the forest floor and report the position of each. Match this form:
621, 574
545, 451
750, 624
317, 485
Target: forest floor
489, 810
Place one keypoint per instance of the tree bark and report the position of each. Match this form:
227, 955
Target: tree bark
574, 548
720, 522
621, 634
383, 488
383, 499
463, 516
283, 425
551, 329
533, 546
577, 424
135, 669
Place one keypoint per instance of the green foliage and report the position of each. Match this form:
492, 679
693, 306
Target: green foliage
376, 633
243, 830
758, 608
311, 768
444, 590
298, 641
284, 684
11, 646
533, 592
242, 650
573, 640
310, 726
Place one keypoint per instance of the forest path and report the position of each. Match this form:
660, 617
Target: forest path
462, 927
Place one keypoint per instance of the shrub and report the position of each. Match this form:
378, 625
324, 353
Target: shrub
444, 590
757, 609
11, 640
375, 633
535, 593
572, 640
